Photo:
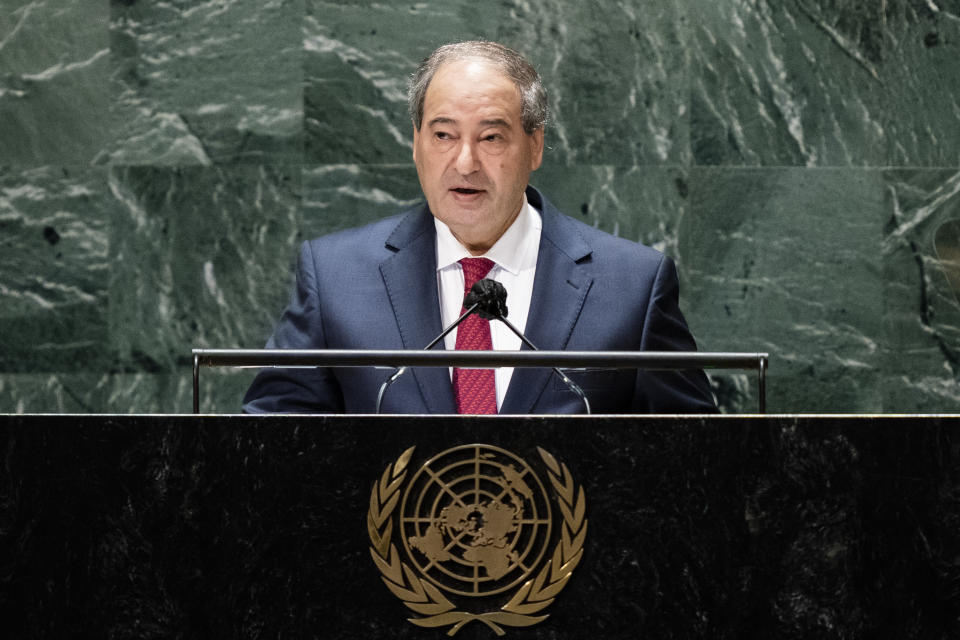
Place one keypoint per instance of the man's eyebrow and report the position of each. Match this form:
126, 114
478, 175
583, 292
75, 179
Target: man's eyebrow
492, 122
495, 122
441, 120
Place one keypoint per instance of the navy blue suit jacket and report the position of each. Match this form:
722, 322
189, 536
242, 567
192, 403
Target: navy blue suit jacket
375, 287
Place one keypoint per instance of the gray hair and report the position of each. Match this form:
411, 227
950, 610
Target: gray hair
533, 97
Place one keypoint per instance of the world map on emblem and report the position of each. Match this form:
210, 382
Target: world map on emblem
475, 520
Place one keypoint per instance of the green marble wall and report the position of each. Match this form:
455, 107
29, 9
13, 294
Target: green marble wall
160, 161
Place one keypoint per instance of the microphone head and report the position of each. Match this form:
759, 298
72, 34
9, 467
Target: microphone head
491, 296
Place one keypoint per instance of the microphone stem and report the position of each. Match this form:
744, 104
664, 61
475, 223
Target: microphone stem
453, 325
566, 380
389, 381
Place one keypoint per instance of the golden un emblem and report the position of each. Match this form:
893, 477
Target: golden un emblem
478, 539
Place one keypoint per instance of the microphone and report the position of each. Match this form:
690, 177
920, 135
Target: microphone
488, 298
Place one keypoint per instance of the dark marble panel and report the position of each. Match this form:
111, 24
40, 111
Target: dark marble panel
921, 262
220, 392
644, 204
615, 74
211, 82
207, 260
728, 528
826, 82
787, 83
921, 83
54, 78
50, 393
787, 261
54, 269
618, 72
358, 56
339, 197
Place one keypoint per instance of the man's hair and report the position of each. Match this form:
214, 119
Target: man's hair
533, 97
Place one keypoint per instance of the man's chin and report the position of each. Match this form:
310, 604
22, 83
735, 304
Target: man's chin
463, 218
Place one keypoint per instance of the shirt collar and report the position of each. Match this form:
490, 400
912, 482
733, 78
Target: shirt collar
514, 251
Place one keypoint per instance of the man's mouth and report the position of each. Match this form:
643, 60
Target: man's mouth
466, 190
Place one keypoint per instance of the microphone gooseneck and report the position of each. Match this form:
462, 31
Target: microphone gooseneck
491, 296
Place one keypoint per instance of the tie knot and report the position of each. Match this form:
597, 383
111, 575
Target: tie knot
475, 269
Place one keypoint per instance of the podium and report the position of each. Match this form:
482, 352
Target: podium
696, 527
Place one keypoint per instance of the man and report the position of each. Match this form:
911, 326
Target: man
479, 111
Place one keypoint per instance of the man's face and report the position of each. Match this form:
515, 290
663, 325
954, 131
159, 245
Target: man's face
472, 155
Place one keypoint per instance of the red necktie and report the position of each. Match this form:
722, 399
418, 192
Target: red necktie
475, 389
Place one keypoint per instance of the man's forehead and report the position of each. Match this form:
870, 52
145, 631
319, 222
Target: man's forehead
471, 79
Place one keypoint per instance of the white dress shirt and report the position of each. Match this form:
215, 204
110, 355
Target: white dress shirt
515, 258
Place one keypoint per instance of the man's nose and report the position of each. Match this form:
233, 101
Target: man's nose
467, 161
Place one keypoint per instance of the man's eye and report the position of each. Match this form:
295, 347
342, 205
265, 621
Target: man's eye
493, 137
442, 135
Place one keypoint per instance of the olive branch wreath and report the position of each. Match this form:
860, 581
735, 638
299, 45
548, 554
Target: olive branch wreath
422, 597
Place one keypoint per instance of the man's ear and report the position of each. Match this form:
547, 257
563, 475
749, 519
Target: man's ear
536, 149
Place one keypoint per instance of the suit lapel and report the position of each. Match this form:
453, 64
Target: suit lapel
410, 276
559, 289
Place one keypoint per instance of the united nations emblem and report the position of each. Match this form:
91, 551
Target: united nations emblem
477, 531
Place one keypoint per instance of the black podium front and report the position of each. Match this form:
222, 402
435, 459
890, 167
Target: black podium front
275, 527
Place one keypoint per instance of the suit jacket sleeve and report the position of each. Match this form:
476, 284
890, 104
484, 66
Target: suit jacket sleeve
664, 329
300, 327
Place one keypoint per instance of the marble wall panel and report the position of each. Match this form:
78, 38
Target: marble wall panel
786, 83
54, 269
51, 393
205, 259
221, 390
825, 82
787, 261
921, 263
210, 82
54, 71
615, 74
109, 277
641, 203
921, 83
341, 196
358, 56
618, 74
